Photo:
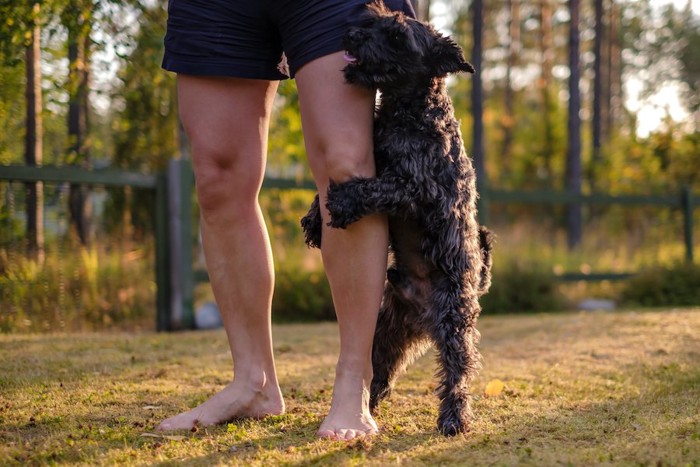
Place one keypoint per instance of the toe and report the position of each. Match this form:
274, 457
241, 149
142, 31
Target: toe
326, 434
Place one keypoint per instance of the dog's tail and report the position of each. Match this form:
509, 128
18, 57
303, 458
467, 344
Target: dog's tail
486, 239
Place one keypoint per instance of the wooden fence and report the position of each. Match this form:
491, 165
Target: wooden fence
173, 220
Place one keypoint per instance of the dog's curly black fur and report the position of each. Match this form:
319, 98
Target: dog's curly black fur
426, 184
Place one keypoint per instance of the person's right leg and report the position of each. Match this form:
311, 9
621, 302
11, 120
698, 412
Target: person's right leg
337, 119
226, 120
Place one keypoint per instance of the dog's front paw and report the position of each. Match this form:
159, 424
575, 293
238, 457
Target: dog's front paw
343, 205
312, 224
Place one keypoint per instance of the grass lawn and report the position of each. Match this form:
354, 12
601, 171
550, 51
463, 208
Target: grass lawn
597, 388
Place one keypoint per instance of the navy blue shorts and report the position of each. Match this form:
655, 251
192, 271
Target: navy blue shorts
246, 38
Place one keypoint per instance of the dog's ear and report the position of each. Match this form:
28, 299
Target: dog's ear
447, 57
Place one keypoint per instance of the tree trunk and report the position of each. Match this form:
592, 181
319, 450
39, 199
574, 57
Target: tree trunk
477, 94
422, 8
573, 155
545, 83
508, 121
78, 47
33, 143
597, 132
614, 69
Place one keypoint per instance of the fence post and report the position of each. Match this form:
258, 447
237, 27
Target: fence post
180, 186
687, 203
162, 263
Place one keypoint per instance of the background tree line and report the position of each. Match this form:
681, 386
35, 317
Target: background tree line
553, 105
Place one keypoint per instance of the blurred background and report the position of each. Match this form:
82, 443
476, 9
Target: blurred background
583, 121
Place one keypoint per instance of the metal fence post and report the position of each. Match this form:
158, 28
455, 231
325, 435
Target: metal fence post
162, 263
180, 186
687, 203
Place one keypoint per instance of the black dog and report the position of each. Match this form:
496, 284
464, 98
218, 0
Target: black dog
426, 184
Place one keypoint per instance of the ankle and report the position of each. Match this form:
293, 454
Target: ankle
255, 379
360, 371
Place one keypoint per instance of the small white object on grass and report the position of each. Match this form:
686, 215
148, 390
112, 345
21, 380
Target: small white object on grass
596, 304
207, 316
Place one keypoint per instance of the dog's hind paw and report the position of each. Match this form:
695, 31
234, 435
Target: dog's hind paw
453, 426
378, 392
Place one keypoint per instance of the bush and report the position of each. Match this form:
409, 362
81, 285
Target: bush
516, 289
77, 289
678, 285
302, 296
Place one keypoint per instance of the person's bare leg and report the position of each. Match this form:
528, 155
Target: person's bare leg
227, 122
337, 121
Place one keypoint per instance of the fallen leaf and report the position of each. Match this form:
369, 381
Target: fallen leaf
150, 407
494, 388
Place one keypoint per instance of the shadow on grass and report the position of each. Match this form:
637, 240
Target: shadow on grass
660, 424
83, 400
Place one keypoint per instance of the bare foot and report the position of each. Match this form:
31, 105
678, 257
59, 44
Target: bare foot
237, 400
349, 417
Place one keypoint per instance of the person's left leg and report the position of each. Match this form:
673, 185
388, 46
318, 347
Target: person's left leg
337, 119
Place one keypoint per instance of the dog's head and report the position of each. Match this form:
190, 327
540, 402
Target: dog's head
387, 49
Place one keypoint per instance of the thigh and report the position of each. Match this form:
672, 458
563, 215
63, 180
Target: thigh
337, 119
226, 120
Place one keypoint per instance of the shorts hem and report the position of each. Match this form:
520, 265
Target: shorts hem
231, 70
313, 55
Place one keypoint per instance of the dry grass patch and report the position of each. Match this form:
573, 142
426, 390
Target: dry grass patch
620, 389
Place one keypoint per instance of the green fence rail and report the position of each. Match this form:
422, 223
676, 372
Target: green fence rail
173, 220
111, 177
684, 201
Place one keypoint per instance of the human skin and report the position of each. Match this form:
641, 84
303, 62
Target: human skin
227, 122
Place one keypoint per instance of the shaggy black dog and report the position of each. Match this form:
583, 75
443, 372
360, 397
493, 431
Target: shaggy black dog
426, 184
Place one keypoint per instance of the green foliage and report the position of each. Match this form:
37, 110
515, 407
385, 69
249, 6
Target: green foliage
517, 288
145, 120
690, 60
18, 19
11, 112
301, 292
302, 296
677, 285
77, 289
660, 163
286, 151
12, 232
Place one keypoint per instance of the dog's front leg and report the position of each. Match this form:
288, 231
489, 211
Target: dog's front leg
349, 201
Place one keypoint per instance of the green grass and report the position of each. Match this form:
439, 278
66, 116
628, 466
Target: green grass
581, 389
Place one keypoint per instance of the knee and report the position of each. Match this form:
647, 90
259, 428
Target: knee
345, 163
223, 183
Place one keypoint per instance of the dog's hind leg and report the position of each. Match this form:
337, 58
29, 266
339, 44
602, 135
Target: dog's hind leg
397, 342
456, 338
486, 244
